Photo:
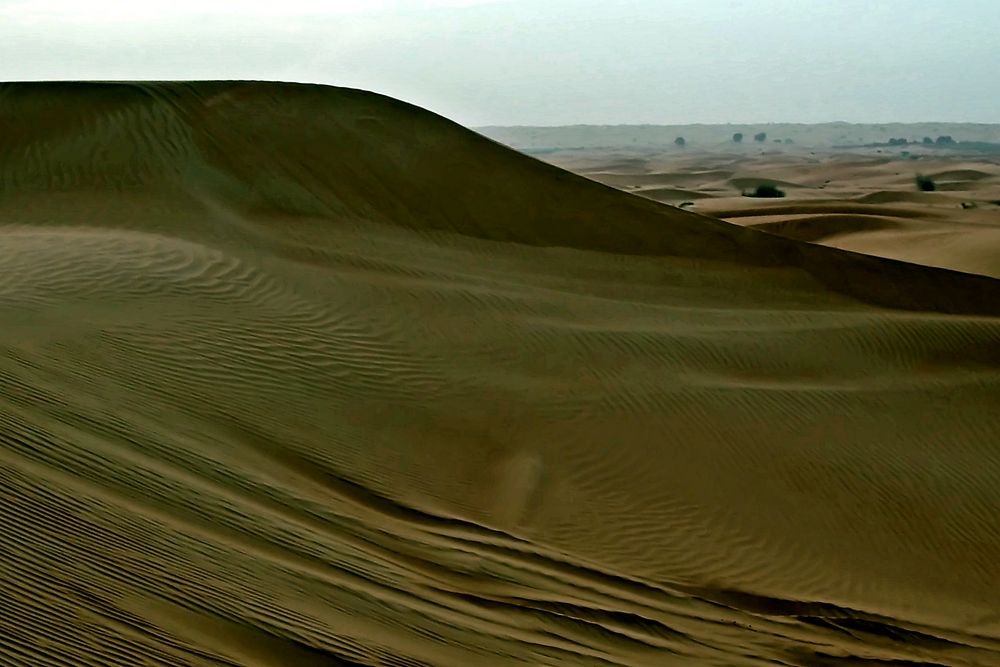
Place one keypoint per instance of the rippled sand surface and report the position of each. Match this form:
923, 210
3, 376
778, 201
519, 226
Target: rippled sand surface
298, 375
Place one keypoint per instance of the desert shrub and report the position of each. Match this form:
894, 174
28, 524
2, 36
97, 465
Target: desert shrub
760, 137
738, 138
680, 141
926, 183
928, 140
898, 142
765, 190
944, 140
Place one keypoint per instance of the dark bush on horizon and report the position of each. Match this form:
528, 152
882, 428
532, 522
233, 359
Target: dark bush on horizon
926, 183
680, 141
944, 140
765, 190
738, 138
760, 137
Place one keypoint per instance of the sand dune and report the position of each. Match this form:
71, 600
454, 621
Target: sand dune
965, 175
953, 227
299, 375
673, 195
897, 196
818, 228
682, 179
749, 182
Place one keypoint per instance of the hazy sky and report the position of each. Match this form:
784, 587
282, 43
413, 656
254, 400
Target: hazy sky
548, 62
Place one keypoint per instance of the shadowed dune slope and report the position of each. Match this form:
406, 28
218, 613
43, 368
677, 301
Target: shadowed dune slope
298, 375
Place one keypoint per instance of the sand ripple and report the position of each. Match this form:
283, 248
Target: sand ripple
306, 376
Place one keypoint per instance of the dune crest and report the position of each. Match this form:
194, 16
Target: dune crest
304, 375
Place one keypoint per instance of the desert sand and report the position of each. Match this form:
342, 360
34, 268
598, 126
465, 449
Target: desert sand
298, 375
860, 199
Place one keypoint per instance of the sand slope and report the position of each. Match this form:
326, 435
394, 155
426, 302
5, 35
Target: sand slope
306, 376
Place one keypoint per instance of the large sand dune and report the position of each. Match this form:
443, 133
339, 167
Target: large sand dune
306, 376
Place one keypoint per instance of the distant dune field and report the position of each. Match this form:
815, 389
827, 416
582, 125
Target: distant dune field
865, 200
630, 138
299, 375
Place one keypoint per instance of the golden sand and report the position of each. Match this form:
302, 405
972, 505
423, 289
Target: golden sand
296, 375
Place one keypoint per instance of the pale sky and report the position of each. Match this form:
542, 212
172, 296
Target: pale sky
548, 62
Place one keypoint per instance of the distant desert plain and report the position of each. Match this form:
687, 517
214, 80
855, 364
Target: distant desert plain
295, 375
849, 186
